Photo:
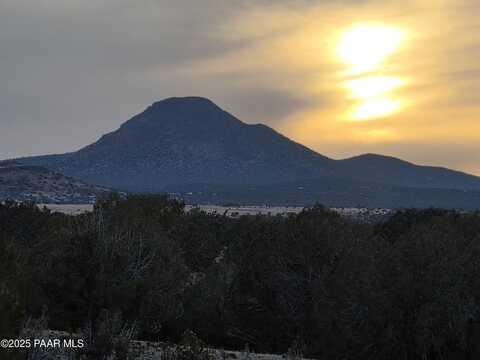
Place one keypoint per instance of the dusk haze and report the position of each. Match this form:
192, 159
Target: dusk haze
398, 78
239, 179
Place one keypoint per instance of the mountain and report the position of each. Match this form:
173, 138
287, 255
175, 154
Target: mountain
188, 140
389, 170
35, 183
334, 192
191, 145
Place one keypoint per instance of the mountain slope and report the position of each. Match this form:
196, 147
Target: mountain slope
35, 183
334, 192
188, 140
390, 170
189, 144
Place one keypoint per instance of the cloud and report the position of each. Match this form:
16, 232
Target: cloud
437, 63
73, 70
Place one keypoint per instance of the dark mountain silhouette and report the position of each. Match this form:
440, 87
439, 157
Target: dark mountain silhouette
334, 192
390, 170
188, 140
190, 144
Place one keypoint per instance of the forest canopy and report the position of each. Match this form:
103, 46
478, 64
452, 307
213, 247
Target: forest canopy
405, 288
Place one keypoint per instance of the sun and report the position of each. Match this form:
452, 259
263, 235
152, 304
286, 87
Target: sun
364, 47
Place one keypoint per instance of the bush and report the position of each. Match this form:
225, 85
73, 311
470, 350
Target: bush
140, 267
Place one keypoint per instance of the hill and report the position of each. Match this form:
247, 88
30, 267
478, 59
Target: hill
188, 144
35, 183
183, 141
390, 170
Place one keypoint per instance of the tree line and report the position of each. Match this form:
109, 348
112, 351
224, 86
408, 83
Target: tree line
326, 286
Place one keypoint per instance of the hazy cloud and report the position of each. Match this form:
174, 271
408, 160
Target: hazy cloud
73, 70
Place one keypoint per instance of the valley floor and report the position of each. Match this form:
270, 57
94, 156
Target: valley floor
236, 211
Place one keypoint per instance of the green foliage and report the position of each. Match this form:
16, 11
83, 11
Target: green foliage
312, 284
11, 309
107, 336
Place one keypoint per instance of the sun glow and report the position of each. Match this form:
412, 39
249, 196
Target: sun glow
364, 49
372, 86
376, 107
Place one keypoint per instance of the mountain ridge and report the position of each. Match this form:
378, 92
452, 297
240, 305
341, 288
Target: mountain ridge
381, 166
187, 140
219, 147
35, 183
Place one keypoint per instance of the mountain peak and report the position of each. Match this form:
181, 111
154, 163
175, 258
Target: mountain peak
186, 114
369, 157
182, 142
184, 100
189, 140
187, 102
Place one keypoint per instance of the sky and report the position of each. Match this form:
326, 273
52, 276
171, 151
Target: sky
345, 77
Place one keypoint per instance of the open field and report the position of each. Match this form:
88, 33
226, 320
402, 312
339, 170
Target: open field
236, 211
70, 209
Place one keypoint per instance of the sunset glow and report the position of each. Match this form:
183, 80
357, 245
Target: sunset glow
400, 78
365, 47
375, 107
370, 87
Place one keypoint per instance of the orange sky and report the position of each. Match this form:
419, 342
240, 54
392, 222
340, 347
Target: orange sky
393, 77
344, 77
